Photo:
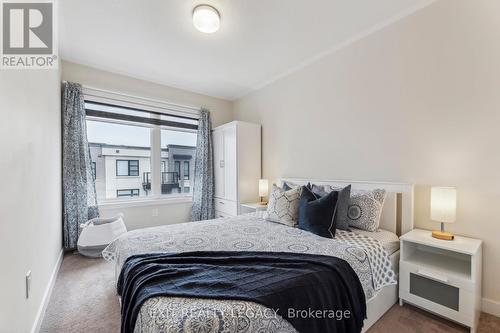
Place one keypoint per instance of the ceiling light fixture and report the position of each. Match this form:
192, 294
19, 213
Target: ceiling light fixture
206, 19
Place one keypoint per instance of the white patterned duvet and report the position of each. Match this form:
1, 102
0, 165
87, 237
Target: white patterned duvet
243, 233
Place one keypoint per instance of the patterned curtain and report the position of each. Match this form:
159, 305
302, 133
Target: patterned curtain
203, 188
79, 195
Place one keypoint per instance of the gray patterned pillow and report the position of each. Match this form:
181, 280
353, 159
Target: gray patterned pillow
341, 219
365, 208
283, 206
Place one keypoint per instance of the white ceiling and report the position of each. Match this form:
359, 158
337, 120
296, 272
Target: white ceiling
259, 40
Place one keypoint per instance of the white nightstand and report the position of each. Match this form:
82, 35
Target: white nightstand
443, 277
251, 207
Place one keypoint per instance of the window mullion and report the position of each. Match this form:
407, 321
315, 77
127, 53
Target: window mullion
156, 161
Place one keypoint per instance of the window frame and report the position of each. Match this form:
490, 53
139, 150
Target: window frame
132, 190
157, 109
128, 168
186, 175
177, 169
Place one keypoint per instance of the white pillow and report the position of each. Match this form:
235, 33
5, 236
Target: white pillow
365, 209
283, 206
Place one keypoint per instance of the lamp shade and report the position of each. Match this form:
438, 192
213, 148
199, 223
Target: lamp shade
263, 187
443, 204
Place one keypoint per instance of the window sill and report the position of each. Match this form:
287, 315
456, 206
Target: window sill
142, 202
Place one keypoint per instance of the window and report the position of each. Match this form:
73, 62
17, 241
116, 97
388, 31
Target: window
123, 152
178, 169
180, 147
127, 167
186, 170
120, 138
127, 193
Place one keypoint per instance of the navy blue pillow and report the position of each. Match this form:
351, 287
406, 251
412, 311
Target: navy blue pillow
341, 220
317, 214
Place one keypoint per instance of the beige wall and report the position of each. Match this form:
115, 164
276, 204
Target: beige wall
221, 112
137, 217
30, 196
418, 101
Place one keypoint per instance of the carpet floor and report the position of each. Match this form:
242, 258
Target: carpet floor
84, 300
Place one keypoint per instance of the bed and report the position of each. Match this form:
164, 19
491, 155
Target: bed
373, 256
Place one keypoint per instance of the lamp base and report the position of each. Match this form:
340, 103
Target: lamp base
443, 235
263, 203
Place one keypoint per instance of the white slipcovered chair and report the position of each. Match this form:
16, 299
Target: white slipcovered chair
98, 233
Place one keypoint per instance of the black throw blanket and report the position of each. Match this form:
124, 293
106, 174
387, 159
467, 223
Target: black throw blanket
314, 293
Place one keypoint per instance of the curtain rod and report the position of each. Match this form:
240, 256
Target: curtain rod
150, 100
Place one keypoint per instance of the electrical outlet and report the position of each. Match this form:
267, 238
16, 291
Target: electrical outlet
28, 284
155, 212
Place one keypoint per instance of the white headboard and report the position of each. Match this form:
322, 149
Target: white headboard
397, 213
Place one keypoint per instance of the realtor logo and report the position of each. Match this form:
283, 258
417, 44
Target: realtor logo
28, 35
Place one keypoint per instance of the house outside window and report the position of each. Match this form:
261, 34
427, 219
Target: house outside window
121, 150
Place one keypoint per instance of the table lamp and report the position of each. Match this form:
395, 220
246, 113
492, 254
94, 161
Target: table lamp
443, 209
263, 190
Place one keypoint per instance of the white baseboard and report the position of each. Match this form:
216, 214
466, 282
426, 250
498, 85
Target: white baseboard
46, 296
490, 306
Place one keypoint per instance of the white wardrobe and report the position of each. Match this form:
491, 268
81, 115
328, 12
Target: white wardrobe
237, 166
